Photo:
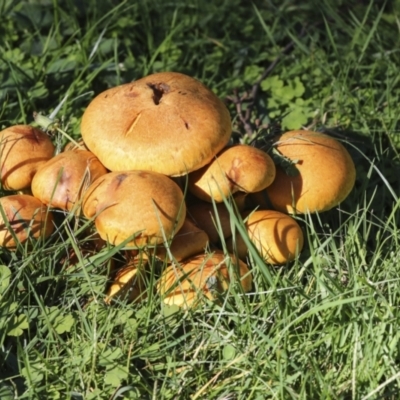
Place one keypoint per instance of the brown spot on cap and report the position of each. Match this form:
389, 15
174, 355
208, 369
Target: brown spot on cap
119, 179
159, 89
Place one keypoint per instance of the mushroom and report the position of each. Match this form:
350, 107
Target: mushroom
129, 281
208, 274
325, 173
277, 236
23, 217
144, 203
166, 122
23, 149
238, 168
189, 240
216, 222
62, 180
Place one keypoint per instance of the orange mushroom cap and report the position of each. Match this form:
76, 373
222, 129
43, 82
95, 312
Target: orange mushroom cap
166, 122
326, 173
23, 149
125, 203
277, 236
189, 240
203, 273
25, 217
62, 180
237, 168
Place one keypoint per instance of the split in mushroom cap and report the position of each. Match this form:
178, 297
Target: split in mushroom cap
166, 122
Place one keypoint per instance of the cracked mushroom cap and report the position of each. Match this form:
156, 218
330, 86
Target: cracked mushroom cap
27, 217
23, 149
240, 168
326, 173
144, 203
62, 180
166, 122
208, 274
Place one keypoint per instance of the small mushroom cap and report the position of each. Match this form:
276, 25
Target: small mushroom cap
326, 173
125, 203
277, 236
23, 149
62, 180
203, 273
129, 283
238, 168
188, 241
27, 217
166, 122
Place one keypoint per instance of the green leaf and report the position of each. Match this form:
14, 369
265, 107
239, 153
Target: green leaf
18, 324
131, 327
122, 317
108, 357
39, 91
168, 310
61, 323
6, 391
33, 372
115, 376
252, 73
295, 119
298, 87
5, 275
272, 103
273, 82
94, 394
64, 323
284, 94
228, 352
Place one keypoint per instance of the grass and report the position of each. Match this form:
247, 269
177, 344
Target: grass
323, 327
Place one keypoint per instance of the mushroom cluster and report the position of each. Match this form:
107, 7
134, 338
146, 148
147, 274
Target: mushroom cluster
156, 171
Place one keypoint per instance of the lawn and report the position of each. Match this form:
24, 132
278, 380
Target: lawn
322, 327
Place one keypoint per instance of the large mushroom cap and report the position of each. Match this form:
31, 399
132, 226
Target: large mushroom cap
143, 202
166, 122
25, 217
326, 173
23, 149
